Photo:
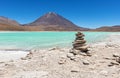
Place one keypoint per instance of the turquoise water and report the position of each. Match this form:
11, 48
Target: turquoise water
31, 40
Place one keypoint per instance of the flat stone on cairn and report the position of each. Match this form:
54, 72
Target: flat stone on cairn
79, 44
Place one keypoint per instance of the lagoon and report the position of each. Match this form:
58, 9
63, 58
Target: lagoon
33, 40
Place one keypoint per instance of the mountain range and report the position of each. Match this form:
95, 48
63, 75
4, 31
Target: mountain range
48, 22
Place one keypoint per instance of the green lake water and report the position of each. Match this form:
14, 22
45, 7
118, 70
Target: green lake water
32, 40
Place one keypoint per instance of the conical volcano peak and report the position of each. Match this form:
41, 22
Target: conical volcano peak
54, 21
52, 18
51, 14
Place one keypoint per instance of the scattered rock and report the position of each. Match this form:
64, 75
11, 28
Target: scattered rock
2, 62
86, 62
114, 63
88, 54
110, 65
55, 48
63, 56
116, 55
118, 60
109, 45
83, 54
105, 73
75, 52
72, 58
29, 56
23, 58
62, 61
75, 69
108, 58
69, 55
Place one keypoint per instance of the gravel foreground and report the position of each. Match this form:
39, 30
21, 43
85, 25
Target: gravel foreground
59, 63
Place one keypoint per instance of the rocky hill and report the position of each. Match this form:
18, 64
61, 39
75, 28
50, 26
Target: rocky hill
5, 20
7, 24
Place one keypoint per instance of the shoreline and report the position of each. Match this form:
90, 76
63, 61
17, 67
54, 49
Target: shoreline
60, 31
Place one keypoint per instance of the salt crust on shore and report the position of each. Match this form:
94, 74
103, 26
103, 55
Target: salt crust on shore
54, 63
12, 55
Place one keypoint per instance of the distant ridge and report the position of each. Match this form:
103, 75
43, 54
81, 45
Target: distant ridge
115, 28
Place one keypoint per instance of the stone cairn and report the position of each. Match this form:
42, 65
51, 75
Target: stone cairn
79, 45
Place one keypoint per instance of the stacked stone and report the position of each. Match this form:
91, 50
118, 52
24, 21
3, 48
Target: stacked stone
79, 43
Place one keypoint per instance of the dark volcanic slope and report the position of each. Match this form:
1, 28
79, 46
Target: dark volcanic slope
109, 29
53, 21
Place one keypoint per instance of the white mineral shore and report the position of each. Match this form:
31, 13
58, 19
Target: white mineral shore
56, 63
11, 55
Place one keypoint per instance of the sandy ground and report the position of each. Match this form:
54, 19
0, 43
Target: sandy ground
59, 63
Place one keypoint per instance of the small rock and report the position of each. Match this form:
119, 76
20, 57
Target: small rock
29, 56
83, 54
118, 60
76, 59
55, 48
110, 65
90, 48
71, 50
114, 63
116, 55
95, 55
108, 58
86, 62
104, 72
62, 61
63, 56
2, 62
75, 69
75, 52
23, 58
89, 53
71, 56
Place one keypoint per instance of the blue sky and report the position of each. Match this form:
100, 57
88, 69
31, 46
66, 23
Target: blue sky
85, 13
